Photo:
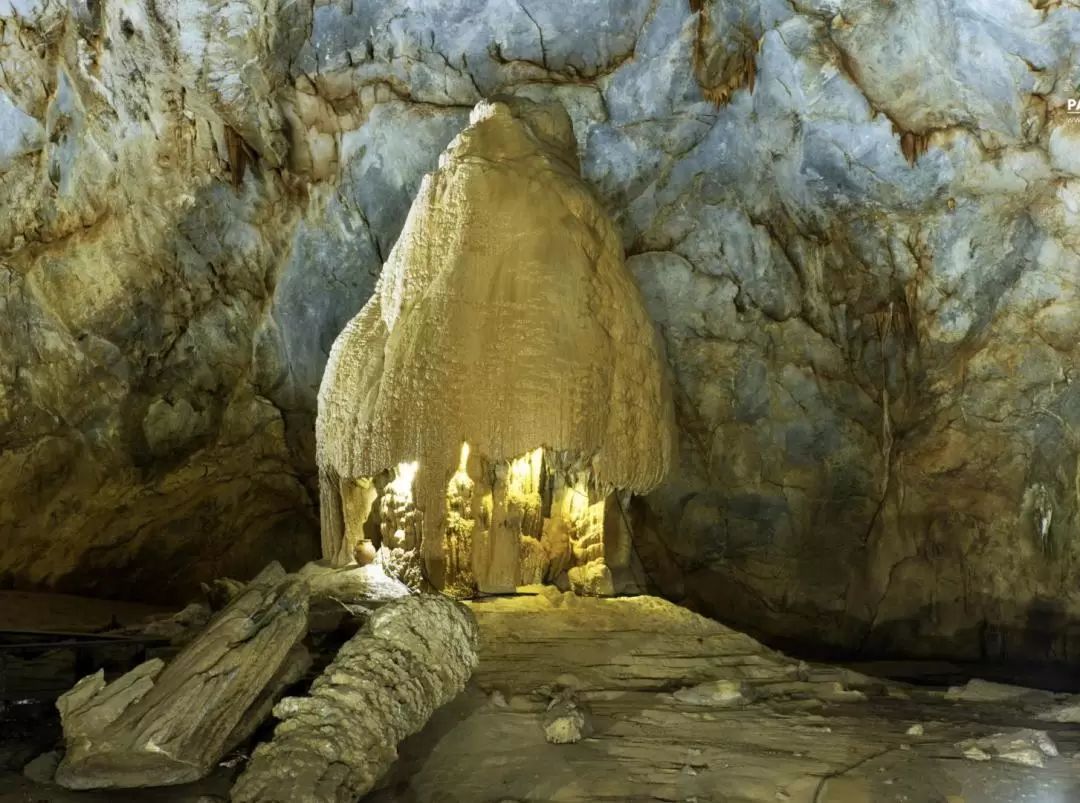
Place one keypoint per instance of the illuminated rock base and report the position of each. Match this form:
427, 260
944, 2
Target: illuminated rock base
539, 519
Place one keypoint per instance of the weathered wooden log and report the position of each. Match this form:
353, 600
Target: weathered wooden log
162, 725
413, 656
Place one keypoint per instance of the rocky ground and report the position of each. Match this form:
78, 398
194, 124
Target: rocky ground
655, 703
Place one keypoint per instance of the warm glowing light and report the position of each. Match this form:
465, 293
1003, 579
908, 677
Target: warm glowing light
461, 479
403, 478
578, 503
524, 475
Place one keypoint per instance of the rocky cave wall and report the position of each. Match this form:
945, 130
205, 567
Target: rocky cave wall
853, 221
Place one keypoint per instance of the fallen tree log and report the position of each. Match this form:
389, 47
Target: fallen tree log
161, 725
413, 656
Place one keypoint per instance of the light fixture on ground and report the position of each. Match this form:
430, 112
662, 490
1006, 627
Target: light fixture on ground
480, 418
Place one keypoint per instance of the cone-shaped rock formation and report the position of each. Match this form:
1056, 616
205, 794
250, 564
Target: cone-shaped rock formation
504, 319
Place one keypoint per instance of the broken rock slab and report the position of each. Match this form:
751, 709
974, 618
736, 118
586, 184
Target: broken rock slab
411, 657
346, 594
1066, 711
161, 725
364, 585
1024, 746
977, 690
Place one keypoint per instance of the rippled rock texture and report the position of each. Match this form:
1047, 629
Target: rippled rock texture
684, 709
853, 221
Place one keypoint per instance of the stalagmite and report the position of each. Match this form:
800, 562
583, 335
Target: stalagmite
161, 725
413, 656
506, 349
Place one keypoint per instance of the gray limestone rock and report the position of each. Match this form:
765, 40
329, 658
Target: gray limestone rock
863, 262
43, 768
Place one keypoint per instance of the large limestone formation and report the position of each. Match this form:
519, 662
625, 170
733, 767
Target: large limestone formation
504, 320
143, 227
412, 656
895, 477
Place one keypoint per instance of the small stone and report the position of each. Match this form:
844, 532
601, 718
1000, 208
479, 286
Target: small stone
715, 693
592, 580
43, 768
498, 699
565, 724
836, 692
976, 753
915, 730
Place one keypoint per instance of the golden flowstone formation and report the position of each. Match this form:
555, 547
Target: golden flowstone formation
502, 383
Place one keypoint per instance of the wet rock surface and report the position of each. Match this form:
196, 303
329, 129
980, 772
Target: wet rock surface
863, 263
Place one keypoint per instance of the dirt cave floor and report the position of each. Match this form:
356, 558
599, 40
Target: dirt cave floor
764, 727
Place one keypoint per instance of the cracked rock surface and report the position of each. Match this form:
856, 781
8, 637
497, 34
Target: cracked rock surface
863, 263
794, 738
412, 656
162, 725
